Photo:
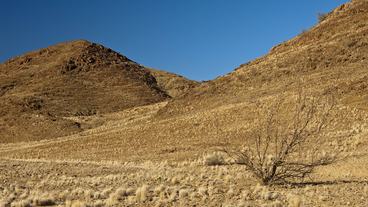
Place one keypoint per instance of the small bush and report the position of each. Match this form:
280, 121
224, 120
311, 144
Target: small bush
214, 159
325, 36
321, 17
44, 201
346, 42
183, 193
360, 24
303, 31
284, 43
306, 30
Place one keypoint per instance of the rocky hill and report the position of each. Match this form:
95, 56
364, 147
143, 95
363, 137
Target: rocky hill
78, 78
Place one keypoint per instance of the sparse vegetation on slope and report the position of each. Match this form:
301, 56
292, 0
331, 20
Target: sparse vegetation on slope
78, 78
279, 148
160, 152
172, 84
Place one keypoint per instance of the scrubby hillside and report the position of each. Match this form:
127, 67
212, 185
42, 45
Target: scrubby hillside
173, 84
330, 56
76, 78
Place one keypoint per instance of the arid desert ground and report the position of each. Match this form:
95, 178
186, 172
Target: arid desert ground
82, 125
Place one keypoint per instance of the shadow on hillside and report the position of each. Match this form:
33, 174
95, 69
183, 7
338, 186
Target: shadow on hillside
304, 184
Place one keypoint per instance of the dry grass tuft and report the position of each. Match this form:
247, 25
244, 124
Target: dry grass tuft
213, 159
112, 200
130, 191
97, 195
257, 189
228, 178
121, 192
89, 193
266, 194
142, 192
174, 180
106, 192
22, 203
132, 200
202, 191
294, 201
159, 189
162, 196
68, 203
365, 189
78, 204
231, 192
98, 203
44, 200
277, 204
183, 193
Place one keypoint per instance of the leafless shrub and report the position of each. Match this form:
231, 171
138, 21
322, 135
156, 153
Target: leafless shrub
303, 31
321, 17
279, 146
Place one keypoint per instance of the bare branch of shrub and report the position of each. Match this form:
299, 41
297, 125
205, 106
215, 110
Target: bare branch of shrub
280, 147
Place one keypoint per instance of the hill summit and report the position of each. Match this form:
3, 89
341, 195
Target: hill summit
76, 78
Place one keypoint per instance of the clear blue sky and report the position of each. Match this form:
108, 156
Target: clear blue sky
198, 39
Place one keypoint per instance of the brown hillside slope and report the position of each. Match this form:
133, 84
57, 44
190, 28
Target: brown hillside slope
76, 78
331, 55
171, 83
